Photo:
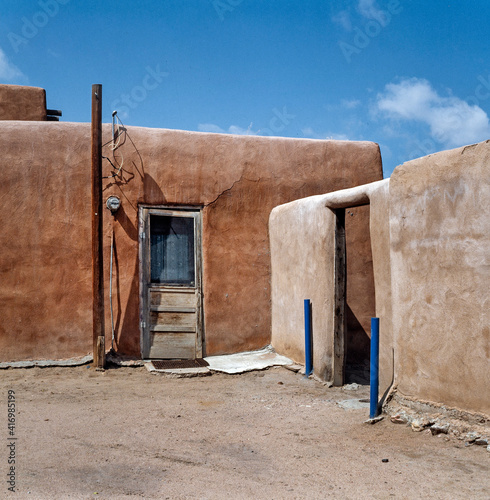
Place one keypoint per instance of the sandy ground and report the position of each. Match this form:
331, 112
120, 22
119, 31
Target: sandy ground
270, 434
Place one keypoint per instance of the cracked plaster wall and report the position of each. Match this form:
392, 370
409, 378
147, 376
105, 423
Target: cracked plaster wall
45, 286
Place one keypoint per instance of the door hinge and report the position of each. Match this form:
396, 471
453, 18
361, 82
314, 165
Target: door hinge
143, 324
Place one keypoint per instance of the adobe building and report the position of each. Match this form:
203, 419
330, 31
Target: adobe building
430, 243
191, 268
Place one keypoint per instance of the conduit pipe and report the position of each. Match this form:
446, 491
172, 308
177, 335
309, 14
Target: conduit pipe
113, 203
374, 368
308, 339
110, 289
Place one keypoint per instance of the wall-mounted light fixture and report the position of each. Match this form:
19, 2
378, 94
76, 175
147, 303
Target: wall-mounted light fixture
113, 203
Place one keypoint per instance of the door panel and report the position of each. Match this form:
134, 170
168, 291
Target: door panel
171, 284
180, 347
173, 298
158, 318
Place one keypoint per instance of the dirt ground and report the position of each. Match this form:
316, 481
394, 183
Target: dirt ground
262, 435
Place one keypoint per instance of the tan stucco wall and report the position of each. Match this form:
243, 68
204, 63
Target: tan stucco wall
22, 103
45, 282
440, 268
302, 254
379, 223
430, 240
302, 238
45, 259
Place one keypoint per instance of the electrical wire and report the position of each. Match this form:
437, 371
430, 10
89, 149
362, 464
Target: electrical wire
114, 147
110, 286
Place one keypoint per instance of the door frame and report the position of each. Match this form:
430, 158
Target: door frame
144, 212
339, 303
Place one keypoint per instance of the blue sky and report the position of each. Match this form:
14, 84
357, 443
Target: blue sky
413, 76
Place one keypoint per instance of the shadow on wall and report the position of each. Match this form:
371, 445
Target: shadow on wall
357, 350
127, 168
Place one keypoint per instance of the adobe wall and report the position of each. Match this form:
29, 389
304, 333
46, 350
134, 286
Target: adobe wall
302, 236
440, 268
379, 223
45, 266
22, 103
45, 262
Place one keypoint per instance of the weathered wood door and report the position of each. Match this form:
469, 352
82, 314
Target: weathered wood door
171, 312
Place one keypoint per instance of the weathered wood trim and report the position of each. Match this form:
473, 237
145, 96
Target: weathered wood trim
173, 309
198, 268
143, 288
146, 287
340, 276
173, 328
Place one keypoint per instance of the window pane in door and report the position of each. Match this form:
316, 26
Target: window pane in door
172, 250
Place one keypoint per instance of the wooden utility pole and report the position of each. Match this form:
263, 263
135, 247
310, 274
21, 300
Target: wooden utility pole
97, 255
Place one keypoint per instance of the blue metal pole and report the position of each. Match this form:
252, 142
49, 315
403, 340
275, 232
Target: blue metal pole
374, 377
308, 354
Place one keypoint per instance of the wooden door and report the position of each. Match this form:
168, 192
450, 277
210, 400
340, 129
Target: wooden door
171, 312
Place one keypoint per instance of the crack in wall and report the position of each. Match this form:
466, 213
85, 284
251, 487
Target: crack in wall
227, 190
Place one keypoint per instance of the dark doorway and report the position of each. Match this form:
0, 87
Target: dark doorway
354, 296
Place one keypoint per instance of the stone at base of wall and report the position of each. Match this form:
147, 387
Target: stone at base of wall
438, 419
80, 360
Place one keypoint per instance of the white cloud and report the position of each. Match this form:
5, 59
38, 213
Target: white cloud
350, 103
337, 137
235, 129
232, 129
210, 127
343, 19
452, 121
54, 54
370, 9
311, 134
308, 132
8, 71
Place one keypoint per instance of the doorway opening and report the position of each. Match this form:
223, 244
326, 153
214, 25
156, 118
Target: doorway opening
354, 295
